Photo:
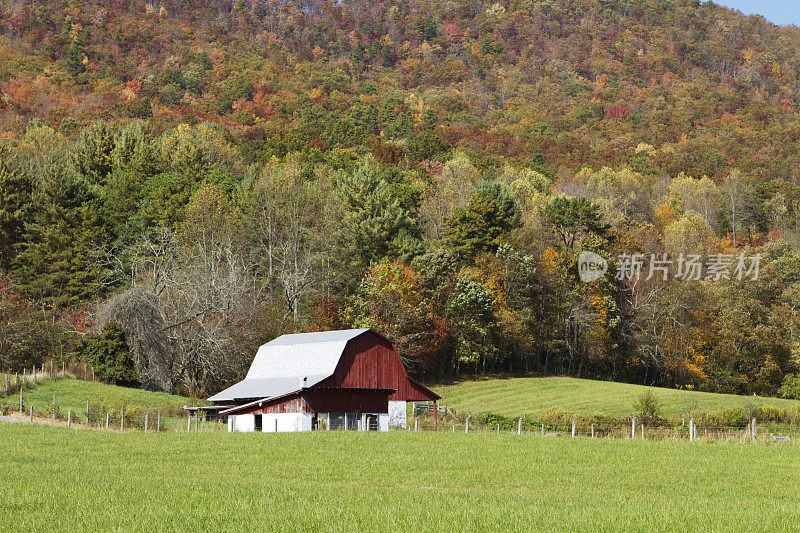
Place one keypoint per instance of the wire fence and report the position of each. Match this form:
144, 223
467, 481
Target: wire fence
18, 406
690, 431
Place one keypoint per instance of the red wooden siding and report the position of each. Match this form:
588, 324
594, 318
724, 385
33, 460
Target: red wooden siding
346, 401
323, 401
370, 362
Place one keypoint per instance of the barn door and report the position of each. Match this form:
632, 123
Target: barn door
258, 424
371, 421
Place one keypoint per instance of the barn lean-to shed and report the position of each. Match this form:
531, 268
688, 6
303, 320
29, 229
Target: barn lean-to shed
349, 379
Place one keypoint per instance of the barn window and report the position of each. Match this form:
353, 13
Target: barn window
371, 422
352, 421
258, 422
336, 421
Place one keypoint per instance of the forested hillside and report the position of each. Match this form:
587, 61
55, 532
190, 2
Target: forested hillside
180, 182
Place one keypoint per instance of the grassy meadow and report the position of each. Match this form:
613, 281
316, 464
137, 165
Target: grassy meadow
74, 393
81, 480
517, 396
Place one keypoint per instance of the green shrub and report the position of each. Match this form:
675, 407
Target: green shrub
790, 387
109, 355
647, 406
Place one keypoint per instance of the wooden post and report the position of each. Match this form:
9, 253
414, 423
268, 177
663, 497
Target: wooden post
466, 426
87, 412
54, 406
69, 418
6, 376
21, 407
328, 427
122, 417
691, 430
189, 426
642, 431
108, 419
633, 427
592, 430
416, 424
498, 429
146, 422
345, 423
31, 413
158, 422
454, 428
276, 425
519, 427
435, 413
754, 429
573, 428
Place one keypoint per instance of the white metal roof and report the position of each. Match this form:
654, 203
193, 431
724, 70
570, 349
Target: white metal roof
281, 365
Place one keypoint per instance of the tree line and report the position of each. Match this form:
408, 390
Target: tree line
164, 259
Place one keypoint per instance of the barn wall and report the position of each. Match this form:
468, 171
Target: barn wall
370, 361
398, 414
344, 401
241, 423
286, 422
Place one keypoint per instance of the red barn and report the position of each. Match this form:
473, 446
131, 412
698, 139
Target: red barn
350, 379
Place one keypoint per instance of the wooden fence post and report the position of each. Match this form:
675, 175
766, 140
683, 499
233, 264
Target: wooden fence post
146, 422
158, 422
122, 417
633, 427
31, 413
498, 429
519, 427
108, 419
691, 430
466, 426
54, 406
754, 429
573, 428
416, 424
454, 428
87, 412
189, 426
69, 418
642, 431
21, 407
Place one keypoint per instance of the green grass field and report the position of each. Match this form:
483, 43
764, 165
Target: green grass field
529, 396
73, 393
83, 480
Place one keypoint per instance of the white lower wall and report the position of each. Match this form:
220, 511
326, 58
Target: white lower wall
241, 423
283, 422
286, 422
383, 421
397, 414
290, 422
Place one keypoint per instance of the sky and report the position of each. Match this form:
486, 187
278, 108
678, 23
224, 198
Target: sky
782, 12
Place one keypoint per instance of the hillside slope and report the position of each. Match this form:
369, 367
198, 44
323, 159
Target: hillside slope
73, 394
679, 86
528, 396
